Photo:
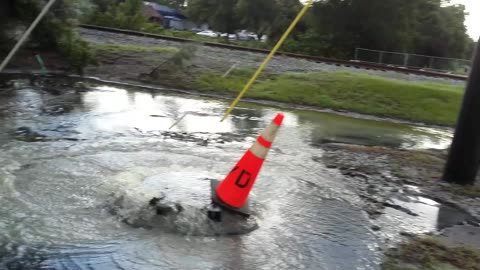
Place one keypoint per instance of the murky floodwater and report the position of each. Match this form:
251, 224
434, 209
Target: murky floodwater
63, 157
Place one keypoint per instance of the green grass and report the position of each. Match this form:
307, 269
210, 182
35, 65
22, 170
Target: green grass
431, 254
118, 48
466, 191
422, 102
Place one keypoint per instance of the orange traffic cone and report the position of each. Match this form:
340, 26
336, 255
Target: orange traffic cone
232, 192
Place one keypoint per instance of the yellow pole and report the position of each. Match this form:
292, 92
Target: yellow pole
269, 57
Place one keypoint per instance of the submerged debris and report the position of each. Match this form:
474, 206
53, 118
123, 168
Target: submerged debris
141, 205
26, 134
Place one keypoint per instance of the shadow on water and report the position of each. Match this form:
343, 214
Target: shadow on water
449, 216
417, 214
26, 257
18, 257
329, 128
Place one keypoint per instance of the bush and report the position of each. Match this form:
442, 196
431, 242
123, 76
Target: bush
75, 50
53, 32
126, 15
181, 34
154, 28
312, 43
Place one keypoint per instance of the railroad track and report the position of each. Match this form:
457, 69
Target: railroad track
331, 61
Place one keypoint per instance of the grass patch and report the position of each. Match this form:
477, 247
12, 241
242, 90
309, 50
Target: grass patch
466, 191
431, 254
118, 48
422, 102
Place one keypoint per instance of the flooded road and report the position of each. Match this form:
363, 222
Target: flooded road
64, 154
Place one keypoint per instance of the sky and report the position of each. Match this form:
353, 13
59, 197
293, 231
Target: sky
473, 20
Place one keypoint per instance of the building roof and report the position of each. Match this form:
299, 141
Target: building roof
150, 12
173, 18
165, 11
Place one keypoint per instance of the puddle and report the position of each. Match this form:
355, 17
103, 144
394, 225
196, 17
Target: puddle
420, 215
307, 217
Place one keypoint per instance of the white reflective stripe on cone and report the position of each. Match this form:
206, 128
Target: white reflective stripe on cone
259, 150
268, 134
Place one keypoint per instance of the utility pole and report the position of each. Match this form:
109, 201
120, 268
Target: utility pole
464, 157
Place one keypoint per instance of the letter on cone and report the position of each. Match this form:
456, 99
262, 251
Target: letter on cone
234, 189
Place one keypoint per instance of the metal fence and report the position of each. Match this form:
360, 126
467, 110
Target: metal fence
416, 61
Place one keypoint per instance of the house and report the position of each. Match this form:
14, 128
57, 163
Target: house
170, 18
152, 15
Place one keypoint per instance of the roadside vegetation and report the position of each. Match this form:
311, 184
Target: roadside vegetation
120, 14
468, 191
54, 32
361, 93
430, 254
128, 15
330, 28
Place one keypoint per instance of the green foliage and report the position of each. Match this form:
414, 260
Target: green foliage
423, 102
219, 14
151, 27
414, 26
126, 14
470, 49
183, 34
183, 56
334, 28
313, 43
270, 17
331, 28
75, 50
177, 62
54, 31
467, 191
286, 11
256, 15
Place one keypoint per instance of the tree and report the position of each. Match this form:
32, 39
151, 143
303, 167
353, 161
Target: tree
286, 12
470, 49
441, 30
125, 14
176, 4
219, 14
257, 16
54, 32
414, 26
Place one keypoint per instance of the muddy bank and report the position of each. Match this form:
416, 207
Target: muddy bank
25, 61
405, 185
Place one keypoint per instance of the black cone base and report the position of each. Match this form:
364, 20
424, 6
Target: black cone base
244, 211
